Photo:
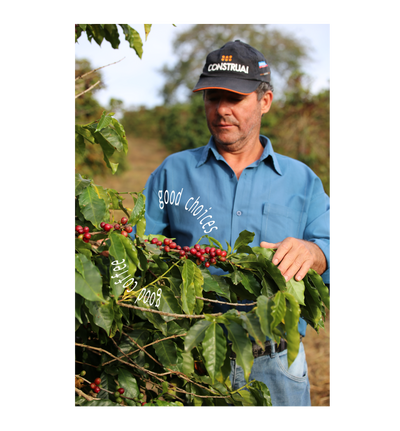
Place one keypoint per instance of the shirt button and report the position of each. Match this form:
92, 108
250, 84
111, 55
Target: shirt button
239, 213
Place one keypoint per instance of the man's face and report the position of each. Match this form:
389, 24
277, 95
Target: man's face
234, 119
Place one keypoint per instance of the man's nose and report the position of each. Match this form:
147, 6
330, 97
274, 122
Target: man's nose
223, 107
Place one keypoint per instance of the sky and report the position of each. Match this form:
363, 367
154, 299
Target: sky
138, 81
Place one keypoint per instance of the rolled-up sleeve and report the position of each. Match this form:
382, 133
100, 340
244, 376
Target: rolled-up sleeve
318, 224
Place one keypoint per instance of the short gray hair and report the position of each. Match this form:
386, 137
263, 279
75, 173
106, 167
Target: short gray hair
262, 89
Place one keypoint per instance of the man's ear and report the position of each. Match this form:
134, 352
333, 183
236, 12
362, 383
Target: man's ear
266, 102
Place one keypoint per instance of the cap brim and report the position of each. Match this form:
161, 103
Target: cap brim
236, 85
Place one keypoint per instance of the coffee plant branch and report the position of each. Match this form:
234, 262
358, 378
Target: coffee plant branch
147, 345
95, 70
187, 316
90, 88
88, 73
155, 375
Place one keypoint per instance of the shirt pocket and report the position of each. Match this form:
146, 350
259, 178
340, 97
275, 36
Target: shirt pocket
280, 222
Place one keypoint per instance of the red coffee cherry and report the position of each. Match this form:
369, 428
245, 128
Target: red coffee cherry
129, 229
207, 249
178, 247
124, 220
97, 389
167, 241
121, 390
172, 244
212, 250
207, 264
154, 241
92, 385
182, 252
222, 259
86, 229
116, 226
97, 381
107, 227
167, 248
102, 224
159, 243
78, 228
223, 253
87, 236
218, 252
193, 251
124, 233
186, 248
198, 254
213, 260
197, 247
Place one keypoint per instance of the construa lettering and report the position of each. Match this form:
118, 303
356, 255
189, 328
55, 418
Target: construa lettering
233, 67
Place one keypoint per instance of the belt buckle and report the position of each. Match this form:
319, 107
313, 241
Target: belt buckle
257, 350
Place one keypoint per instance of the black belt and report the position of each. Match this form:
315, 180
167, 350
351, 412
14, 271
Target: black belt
258, 351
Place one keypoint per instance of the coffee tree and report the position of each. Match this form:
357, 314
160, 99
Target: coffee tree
146, 333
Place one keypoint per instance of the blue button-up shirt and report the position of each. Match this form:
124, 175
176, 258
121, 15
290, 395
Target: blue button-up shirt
196, 192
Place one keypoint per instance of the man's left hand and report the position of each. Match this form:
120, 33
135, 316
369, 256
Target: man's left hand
296, 256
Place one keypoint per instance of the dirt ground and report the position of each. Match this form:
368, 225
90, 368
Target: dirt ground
317, 348
144, 156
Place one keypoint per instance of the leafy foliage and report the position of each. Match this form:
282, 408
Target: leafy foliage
108, 133
149, 311
109, 32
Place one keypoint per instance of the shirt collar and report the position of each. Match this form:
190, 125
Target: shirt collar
268, 151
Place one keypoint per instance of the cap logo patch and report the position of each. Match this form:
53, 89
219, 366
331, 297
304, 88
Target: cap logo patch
226, 58
262, 64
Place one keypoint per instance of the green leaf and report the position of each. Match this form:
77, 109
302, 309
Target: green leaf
317, 281
196, 334
118, 253
89, 286
103, 314
168, 304
106, 146
245, 238
311, 312
79, 265
108, 384
278, 309
78, 305
198, 289
147, 28
264, 313
111, 35
117, 248
104, 121
291, 324
86, 132
138, 210
215, 283
187, 363
276, 275
80, 184
133, 37
188, 292
248, 398
250, 283
296, 288
80, 146
251, 324
97, 33
166, 352
241, 345
128, 382
92, 206
141, 227
214, 349
268, 253
111, 136
82, 247
119, 128
263, 391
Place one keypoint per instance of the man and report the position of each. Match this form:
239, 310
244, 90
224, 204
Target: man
237, 182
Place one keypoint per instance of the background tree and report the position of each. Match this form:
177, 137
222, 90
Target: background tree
87, 108
89, 160
283, 52
298, 125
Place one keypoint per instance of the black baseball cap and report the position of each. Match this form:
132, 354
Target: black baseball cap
236, 67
